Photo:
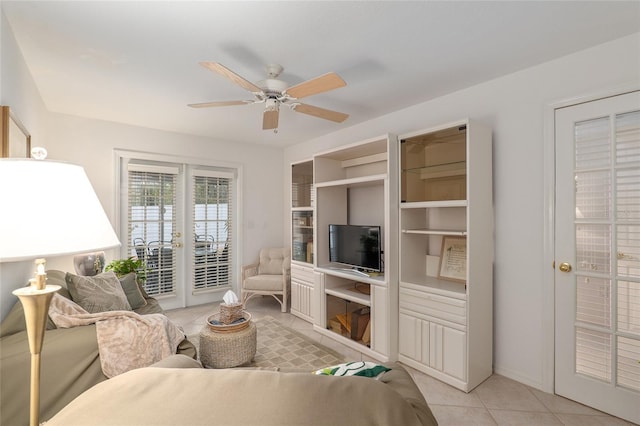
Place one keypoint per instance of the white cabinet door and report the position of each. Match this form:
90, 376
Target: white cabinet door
302, 288
380, 330
454, 353
425, 342
448, 350
301, 299
410, 337
434, 345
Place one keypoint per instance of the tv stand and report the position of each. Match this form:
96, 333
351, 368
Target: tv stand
357, 184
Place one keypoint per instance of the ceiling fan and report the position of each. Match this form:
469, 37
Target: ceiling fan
274, 93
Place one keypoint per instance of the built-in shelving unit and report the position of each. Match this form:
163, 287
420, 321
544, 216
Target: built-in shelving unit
355, 185
446, 253
431, 196
303, 279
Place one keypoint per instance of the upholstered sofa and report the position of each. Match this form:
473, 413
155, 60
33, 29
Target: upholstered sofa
266, 397
70, 360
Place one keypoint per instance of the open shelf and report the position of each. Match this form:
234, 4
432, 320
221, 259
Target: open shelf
349, 319
352, 293
341, 271
433, 204
354, 182
434, 232
456, 168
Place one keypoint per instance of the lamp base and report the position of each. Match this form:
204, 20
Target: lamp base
36, 307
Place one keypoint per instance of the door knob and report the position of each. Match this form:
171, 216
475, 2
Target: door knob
565, 267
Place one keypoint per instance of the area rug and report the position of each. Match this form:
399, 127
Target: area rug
280, 346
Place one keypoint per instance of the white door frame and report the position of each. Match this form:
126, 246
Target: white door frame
237, 237
548, 274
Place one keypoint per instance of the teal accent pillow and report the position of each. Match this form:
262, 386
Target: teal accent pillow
132, 291
356, 368
99, 293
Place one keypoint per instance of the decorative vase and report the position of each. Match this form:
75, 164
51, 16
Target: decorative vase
89, 264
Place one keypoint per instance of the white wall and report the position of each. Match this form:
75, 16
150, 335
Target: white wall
91, 144
17, 90
514, 106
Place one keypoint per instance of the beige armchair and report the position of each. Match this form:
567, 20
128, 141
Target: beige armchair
270, 276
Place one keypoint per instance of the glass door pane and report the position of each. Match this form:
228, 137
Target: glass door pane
302, 236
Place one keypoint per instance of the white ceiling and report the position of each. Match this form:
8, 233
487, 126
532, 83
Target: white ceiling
136, 62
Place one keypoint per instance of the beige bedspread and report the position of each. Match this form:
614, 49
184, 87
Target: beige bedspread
196, 396
126, 340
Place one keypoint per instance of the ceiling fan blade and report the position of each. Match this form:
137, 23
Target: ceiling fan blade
218, 104
270, 119
327, 114
324, 83
226, 72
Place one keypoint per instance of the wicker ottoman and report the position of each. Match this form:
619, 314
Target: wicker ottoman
228, 349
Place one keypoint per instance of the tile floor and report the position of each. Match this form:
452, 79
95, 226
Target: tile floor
497, 401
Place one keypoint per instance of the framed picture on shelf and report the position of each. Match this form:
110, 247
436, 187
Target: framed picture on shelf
453, 259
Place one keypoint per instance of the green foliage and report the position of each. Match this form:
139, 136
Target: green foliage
124, 266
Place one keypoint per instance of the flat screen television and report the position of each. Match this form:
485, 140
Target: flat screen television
355, 245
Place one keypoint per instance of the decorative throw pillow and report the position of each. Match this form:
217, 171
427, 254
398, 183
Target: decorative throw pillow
356, 368
98, 293
132, 291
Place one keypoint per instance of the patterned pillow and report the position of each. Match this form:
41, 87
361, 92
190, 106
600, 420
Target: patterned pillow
356, 368
98, 293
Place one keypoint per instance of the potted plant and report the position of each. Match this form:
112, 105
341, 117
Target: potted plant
122, 267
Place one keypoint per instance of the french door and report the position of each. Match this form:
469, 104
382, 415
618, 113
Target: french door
597, 252
179, 219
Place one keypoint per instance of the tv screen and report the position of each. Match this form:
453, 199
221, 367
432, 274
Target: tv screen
355, 245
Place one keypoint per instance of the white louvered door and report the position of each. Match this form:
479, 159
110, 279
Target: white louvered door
180, 219
597, 252
154, 232
212, 195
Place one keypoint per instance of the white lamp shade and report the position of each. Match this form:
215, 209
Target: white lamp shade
49, 208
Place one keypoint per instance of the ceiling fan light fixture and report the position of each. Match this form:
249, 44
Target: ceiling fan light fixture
272, 104
273, 87
274, 92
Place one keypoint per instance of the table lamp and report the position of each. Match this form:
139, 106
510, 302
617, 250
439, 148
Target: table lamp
48, 209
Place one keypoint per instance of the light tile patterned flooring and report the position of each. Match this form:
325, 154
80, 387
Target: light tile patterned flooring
497, 401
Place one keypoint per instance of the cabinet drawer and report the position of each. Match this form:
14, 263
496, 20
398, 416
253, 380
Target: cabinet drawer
302, 273
432, 305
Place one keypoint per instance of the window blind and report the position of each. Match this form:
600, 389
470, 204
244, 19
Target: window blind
151, 214
607, 177
212, 207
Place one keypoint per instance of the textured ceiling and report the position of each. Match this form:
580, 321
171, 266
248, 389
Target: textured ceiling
137, 62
